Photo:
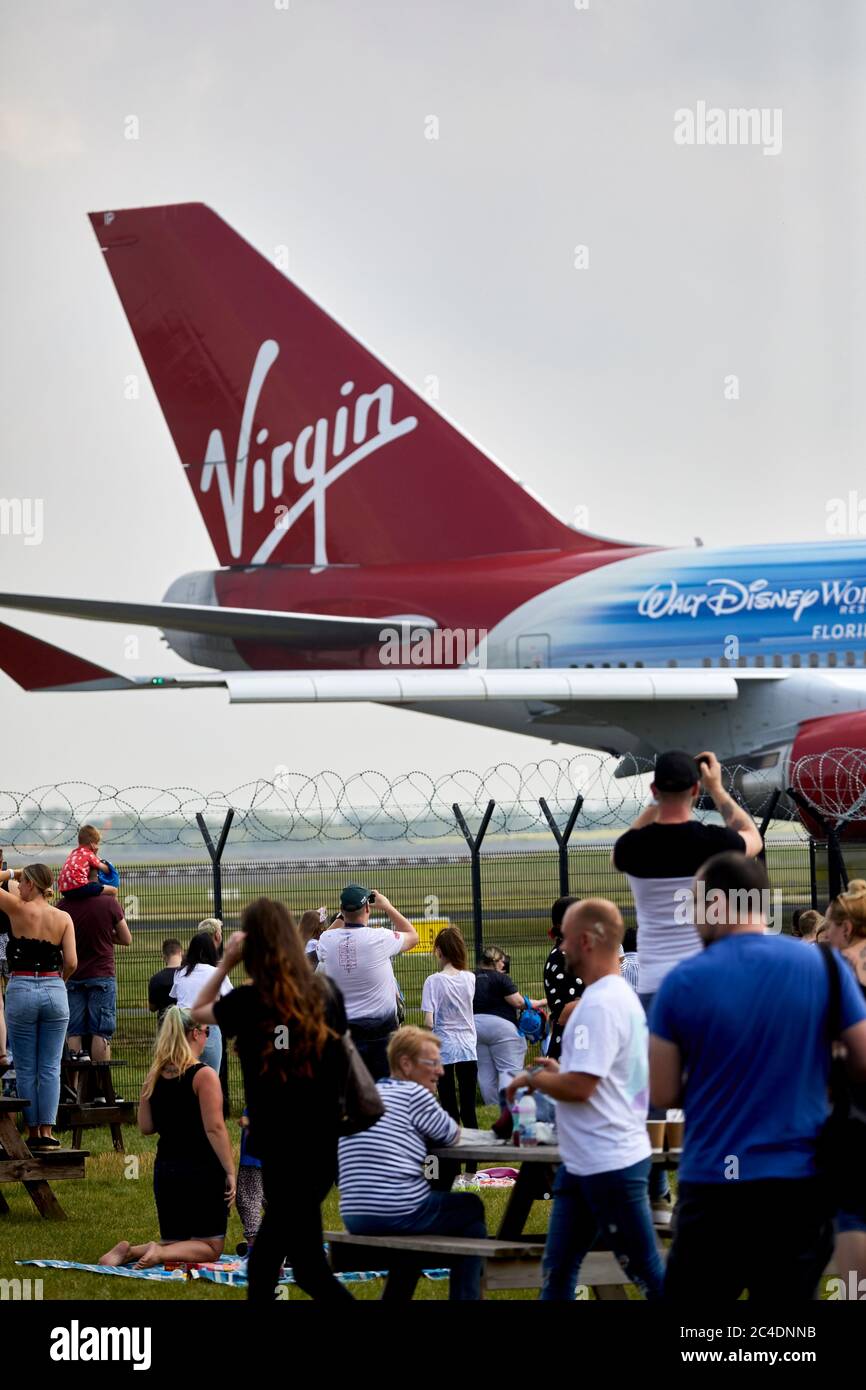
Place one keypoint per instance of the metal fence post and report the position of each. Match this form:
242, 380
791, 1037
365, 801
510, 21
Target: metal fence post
768, 816
562, 838
836, 871
813, 873
474, 843
837, 874
216, 854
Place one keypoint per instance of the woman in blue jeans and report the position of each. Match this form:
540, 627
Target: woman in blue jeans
41, 955
385, 1172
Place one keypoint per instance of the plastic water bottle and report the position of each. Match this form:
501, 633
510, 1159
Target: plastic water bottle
525, 1116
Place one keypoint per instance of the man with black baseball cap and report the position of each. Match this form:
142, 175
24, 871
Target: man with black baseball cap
660, 856
357, 957
663, 851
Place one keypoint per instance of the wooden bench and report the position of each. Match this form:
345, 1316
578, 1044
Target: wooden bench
18, 1164
508, 1264
77, 1111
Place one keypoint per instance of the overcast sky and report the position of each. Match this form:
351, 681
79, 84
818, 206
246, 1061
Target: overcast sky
602, 387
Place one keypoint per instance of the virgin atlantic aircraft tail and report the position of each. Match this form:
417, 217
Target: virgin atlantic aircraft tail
270, 402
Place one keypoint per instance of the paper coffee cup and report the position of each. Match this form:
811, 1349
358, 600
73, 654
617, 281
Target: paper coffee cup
656, 1131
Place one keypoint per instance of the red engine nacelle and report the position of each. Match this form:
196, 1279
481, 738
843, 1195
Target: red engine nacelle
828, 768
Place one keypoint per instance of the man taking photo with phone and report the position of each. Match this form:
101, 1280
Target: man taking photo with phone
660, 856
357, 957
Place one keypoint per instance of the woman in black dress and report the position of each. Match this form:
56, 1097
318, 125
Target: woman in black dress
288, 1024
194, 1173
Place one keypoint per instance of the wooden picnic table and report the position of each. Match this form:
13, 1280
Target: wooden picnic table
82, 1081
511, 1258
534, 1182
18, 1164
534, 1179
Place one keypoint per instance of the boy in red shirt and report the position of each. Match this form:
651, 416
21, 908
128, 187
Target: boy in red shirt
78, 877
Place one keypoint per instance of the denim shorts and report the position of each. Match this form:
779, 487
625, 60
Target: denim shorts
92, 1007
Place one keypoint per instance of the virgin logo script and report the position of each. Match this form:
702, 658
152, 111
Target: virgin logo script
315, 448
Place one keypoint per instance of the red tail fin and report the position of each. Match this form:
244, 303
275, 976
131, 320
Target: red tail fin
299, 445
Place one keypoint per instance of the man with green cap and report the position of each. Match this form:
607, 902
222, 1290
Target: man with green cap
357, 957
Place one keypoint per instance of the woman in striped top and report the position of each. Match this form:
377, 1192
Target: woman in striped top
385, 1171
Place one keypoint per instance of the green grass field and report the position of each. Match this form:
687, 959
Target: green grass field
111, 1205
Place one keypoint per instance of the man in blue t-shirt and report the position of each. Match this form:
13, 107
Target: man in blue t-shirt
739, 1038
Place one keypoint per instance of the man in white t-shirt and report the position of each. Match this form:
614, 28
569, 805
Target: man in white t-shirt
357, 957
600, 1086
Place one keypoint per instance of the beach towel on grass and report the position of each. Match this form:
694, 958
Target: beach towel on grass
227, 1271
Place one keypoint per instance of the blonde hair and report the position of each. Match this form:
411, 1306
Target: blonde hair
850, 906
41, 878
88, 835
407, 1042
172, 1047
211, 924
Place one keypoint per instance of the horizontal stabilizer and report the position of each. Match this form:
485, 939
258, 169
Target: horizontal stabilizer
245, 624
37, 665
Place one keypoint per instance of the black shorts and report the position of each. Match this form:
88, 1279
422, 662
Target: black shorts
190, 1199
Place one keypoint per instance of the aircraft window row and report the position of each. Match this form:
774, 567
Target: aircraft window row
776, 661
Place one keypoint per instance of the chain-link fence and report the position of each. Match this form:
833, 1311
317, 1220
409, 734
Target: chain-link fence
512, 909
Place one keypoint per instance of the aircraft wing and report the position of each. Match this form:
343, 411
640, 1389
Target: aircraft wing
38, 666
289, 629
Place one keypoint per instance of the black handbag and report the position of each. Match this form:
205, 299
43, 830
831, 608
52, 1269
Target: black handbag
841, 1150
360, 1102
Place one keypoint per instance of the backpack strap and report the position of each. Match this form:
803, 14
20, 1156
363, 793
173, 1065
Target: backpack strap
838, 1088
834, 1006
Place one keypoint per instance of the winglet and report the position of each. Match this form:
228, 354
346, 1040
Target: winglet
37, 665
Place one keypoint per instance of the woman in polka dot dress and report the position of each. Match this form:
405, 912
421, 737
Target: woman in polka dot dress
560, 986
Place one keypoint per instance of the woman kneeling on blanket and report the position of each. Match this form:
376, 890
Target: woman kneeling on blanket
193, 1176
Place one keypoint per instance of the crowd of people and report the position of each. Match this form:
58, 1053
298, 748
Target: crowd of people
761, 1042
61, 974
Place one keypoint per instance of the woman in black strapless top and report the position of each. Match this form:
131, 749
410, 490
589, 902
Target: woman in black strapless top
40, 953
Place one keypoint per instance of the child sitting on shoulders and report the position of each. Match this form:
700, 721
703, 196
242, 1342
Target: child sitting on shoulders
79, 877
